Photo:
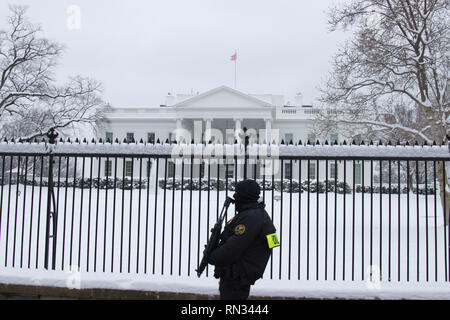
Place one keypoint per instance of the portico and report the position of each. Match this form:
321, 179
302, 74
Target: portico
221, 114
221, 130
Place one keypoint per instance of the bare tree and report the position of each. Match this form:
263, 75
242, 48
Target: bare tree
31, 103
390, 79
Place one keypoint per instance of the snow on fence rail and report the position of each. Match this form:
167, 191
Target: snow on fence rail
318, 151
341, 211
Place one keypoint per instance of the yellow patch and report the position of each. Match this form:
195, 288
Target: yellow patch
239, 230
272, 240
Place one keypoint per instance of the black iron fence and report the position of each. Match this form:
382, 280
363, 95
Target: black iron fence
341, 212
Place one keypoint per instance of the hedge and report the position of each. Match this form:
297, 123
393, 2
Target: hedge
222, 185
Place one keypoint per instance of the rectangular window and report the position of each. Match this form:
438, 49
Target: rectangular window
202, 169
109, 137
108, 168
312, 171
312, 138
287, 170
128, 168
149, 167
151, 137
333, 171
357, 173
288, 137
130, 136
258, 171
229, 171
171, 169
334, 138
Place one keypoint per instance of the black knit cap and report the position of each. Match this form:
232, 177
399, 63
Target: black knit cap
248, 190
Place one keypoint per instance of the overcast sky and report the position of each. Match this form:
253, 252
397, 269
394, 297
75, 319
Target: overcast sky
142, 49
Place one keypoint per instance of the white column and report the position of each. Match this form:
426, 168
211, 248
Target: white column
238, 136
179, 126
208, 129
237, 128
268, 137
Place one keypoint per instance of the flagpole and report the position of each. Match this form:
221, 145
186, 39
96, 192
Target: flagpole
234, 58
235, 70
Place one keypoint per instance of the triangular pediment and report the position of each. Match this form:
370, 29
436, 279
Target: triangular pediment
223, 97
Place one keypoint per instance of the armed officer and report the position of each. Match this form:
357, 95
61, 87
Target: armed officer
245, 244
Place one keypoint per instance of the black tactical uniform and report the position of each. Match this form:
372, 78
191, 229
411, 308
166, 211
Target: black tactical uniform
243, 251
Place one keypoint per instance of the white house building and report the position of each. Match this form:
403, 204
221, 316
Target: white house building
219, 115
221, 110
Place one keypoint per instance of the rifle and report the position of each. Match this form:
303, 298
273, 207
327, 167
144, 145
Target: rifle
213, 240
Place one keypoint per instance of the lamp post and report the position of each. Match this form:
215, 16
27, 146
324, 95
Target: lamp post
246, 141
51, 215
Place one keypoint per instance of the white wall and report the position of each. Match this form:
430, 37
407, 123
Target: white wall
161, 128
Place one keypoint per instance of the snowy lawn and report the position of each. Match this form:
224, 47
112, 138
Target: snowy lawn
143, 241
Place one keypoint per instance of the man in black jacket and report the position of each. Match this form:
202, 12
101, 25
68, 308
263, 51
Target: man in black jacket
245, 244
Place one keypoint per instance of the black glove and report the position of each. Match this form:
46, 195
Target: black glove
217, 272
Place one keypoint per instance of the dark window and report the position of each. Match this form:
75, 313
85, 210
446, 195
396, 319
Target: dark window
130, 136
151, 137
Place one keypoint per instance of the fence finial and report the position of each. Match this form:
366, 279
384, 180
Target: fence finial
448, 139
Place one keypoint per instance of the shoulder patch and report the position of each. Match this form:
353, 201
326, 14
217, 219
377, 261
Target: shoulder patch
272, 240
239, 230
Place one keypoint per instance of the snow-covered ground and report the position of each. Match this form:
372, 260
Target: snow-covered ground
129, 240
209, 286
